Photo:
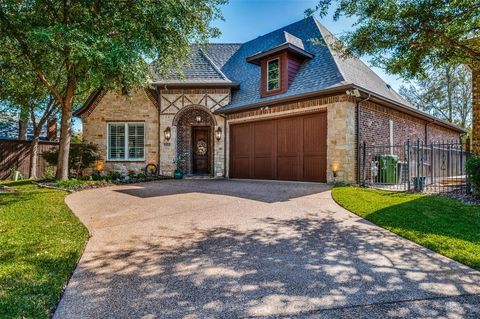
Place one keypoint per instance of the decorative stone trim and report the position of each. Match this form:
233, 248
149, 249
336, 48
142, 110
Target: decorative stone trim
212, 99
195, 91
289, 107
94, 105
152, 97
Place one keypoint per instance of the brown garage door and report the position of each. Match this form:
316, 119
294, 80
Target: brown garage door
292, 148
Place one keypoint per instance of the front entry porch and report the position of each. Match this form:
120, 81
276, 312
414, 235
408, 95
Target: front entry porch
196, 139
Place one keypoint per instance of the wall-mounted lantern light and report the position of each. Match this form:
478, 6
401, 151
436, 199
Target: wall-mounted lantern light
167, 134
198, 118
335, 168
218, 133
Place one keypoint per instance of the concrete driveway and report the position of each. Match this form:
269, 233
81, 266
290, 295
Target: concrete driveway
236, 249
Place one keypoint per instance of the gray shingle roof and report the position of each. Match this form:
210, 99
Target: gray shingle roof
203, 66
315, 74
217, 63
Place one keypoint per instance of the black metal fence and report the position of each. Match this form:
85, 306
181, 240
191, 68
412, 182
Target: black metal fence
415, 166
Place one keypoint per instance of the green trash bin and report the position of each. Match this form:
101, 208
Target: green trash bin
387, 168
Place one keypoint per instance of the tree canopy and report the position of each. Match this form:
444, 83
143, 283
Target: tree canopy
75, 46
409, 37
445, 93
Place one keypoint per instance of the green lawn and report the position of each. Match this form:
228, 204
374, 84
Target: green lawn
442, 224
40, 242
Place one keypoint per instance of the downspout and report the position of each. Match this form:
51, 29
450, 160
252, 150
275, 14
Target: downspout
357, 107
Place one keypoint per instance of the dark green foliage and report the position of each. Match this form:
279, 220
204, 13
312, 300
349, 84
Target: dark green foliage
75, 47
81, 156
444, 225
473, 170
409, 37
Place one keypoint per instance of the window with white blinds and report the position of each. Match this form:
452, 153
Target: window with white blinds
126, 141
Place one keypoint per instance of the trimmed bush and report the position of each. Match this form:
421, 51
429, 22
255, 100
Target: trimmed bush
81, 156
473, 171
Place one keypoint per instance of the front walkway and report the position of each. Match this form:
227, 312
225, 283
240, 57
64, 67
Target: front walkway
229, 249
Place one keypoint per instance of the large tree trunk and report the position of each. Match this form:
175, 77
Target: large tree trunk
22, 130
64, 147
33, 157
476, 110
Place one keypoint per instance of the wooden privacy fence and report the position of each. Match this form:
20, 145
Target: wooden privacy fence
16, 154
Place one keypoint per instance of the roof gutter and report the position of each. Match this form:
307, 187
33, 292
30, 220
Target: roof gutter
409, 110
183, 85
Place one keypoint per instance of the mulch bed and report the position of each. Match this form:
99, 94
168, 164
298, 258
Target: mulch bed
100, 184
463, 197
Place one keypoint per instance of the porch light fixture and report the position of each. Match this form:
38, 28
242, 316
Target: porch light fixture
218, 133
335, 168
198, 118
167, 133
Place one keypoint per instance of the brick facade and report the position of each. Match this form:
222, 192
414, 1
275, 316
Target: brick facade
177, 109
375, 127
184, 125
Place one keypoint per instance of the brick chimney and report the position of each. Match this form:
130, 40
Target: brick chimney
52, 129
476, 110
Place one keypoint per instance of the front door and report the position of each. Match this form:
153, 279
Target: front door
201, 149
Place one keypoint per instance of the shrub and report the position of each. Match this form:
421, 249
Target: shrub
49, 173
81, 156
69, 184
473, 171
97, 176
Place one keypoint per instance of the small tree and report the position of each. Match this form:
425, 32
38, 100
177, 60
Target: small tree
82, 156
22, 92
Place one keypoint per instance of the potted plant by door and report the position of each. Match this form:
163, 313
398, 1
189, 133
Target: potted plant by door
178, 161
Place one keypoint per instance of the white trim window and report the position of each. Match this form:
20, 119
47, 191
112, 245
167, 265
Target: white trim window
126, 141
273, 74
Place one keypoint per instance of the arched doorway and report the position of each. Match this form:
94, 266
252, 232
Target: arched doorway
195, 125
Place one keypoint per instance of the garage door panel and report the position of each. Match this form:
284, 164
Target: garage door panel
288, 136
314, 128
240, 167
292, 148
314, 168
263, 135
263, 168
287, 167
240, 134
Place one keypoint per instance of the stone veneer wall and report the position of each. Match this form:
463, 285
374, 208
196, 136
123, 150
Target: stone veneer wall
113, 107
172, 101
340, 133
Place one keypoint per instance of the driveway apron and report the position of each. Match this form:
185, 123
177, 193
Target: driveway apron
238, 248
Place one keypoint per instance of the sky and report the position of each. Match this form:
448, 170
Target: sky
248, 19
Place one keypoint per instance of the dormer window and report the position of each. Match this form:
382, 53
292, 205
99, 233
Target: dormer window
279, 65
273, 75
